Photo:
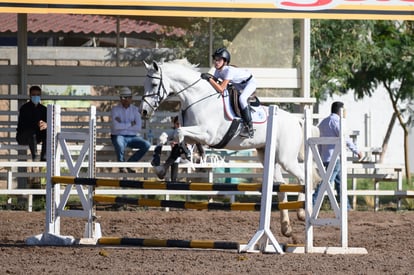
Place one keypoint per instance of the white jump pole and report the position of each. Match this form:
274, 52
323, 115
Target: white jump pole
263, 240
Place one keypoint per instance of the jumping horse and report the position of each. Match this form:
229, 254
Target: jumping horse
207, 119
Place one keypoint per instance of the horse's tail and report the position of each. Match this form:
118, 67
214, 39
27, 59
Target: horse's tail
314, 132
301, 157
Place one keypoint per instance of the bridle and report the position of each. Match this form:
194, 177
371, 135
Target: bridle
162, 93
158, 94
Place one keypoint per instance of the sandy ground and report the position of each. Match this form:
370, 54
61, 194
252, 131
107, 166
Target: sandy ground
388, 237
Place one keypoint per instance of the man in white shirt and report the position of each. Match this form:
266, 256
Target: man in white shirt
125, 128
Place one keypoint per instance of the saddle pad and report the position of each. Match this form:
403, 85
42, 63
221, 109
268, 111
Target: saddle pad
259, 113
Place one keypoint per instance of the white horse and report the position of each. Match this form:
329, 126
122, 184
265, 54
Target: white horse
206, 120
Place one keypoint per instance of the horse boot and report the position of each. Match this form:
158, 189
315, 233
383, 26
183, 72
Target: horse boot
247, 130
174, 172
161, 170
156, 157
184, 150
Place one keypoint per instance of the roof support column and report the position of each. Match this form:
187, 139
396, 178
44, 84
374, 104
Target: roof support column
211, 40
305, 34
22, 51
22, 86
118, 28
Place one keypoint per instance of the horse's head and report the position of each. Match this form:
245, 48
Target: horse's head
155, 90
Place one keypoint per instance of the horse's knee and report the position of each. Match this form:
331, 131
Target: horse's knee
282, 196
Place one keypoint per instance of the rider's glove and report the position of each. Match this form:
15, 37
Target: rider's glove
206, 76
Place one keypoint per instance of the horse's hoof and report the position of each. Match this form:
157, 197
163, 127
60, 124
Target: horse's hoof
301, 214
160, 171
286, 229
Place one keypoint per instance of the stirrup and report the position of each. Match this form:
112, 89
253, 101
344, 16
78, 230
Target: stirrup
247, 132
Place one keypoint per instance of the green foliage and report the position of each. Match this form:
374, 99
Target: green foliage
360, 55
336, 51
387, 59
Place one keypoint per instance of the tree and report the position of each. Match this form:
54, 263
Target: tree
363, 55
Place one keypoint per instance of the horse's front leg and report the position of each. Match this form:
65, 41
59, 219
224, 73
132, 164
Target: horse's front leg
285, 226
193, 134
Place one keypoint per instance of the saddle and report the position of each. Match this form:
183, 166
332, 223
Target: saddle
234, 94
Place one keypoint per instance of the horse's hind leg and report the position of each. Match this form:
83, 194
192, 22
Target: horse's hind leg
296, 170
285, 226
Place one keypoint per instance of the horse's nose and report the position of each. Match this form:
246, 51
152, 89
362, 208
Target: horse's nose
144, 113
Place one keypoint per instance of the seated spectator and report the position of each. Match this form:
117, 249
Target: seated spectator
32, 124
125, 129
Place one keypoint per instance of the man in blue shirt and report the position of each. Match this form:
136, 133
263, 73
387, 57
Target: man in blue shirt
125, 128
330, 127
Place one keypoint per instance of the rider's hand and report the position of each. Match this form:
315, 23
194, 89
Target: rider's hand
42, 125
206, 76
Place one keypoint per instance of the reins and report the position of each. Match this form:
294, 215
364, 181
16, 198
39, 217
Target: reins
161, 97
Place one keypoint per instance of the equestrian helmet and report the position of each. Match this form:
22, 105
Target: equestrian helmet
222, 53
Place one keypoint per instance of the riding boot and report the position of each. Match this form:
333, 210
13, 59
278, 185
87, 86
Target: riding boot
247, 130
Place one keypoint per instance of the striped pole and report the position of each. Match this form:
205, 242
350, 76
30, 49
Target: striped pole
174, 185
169, 243
197, 205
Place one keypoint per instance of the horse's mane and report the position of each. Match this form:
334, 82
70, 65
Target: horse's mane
184, 62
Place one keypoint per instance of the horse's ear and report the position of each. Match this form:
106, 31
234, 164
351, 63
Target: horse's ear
155, 65
147, 66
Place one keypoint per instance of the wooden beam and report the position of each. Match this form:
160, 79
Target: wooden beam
128, 76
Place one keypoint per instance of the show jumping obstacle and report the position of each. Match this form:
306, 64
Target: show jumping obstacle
169, 243
175, 185
184, 186
262, 241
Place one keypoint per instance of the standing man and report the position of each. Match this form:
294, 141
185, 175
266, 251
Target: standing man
125, 128
32, 123
330, 127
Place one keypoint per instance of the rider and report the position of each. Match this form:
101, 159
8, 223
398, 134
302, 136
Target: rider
241, 79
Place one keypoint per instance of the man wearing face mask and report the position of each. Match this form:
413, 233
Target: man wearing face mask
32, 123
